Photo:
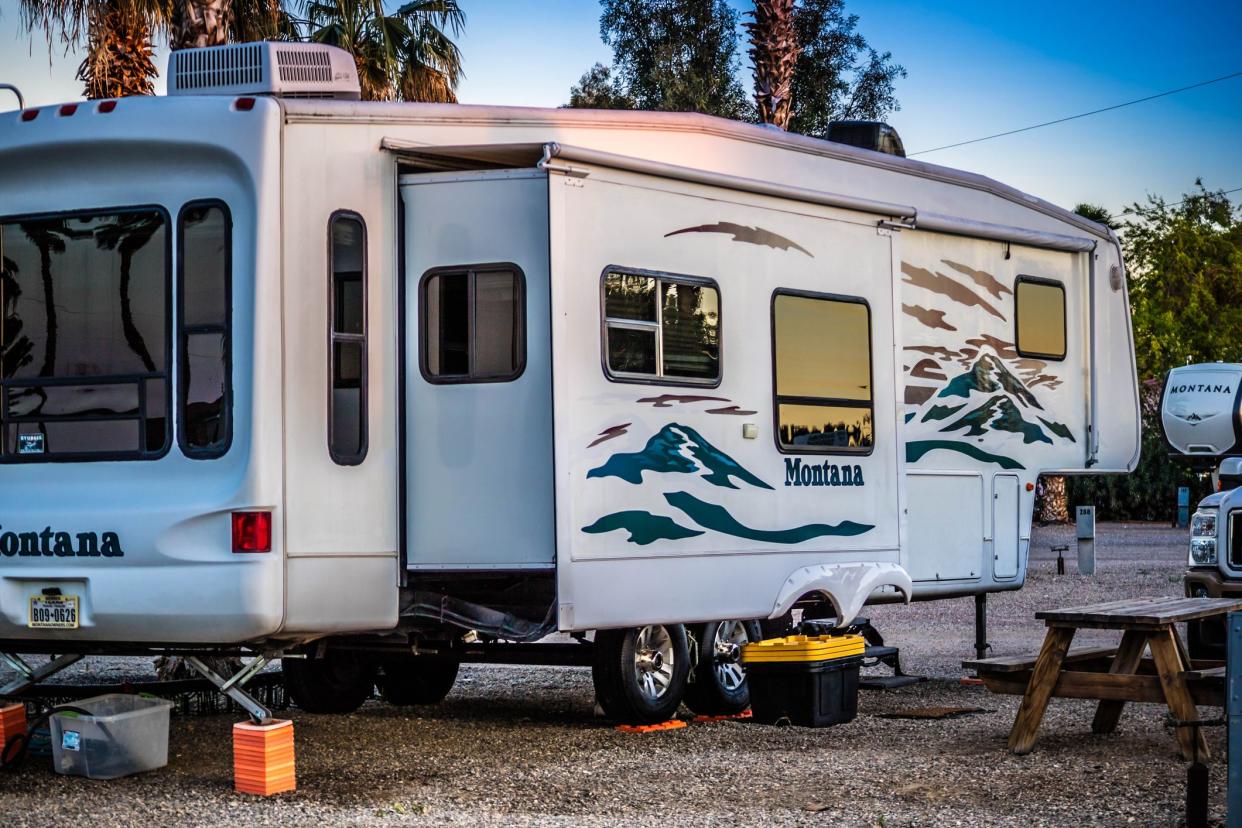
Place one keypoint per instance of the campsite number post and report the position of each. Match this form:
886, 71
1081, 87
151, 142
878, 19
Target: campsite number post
1084, 520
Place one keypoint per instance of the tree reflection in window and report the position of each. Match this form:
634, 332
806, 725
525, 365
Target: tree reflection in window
661, 327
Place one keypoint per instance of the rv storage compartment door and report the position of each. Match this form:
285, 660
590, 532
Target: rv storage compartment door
946, 526
477, 407
1005, 541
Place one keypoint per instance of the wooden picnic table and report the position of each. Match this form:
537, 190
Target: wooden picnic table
1114, 675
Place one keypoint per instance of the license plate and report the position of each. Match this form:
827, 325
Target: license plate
53, 612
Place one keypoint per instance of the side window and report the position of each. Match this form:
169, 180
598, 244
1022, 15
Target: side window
661, 328
473, 324
204, 400
822, 356
1040, 311
347, 406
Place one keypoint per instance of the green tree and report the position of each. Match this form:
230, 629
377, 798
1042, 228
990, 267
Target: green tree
117, 36
1185, 280
673, 55
597, 89
408, 54
838, 75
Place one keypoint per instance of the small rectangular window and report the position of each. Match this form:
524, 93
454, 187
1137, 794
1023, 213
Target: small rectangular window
347, 406
822, 357
204, 340
473, 324
1039, 306
661, 328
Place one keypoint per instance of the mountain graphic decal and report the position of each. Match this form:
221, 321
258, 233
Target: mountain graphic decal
983, 400
678, 449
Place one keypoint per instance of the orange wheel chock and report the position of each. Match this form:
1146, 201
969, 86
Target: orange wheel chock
263, 757
672, 724
745, 714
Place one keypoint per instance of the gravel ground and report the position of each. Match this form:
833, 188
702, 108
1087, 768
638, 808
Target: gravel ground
521, 746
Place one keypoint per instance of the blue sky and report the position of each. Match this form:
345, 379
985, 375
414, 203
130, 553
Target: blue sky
974, 68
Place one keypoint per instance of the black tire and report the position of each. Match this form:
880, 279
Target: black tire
632, 684
406, 680
337, 683
717, 687
1207, 638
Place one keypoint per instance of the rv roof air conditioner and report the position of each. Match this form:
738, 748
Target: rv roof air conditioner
284, 70
873, 135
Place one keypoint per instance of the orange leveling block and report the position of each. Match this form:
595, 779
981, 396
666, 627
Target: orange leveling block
672, 724
12, 722
263, 757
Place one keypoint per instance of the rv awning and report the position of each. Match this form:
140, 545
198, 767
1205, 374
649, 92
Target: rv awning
560, 158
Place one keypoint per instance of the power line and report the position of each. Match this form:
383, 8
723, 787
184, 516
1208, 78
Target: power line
1082, 115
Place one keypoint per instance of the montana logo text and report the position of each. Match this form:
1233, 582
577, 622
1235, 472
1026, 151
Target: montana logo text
798, 473
50, 543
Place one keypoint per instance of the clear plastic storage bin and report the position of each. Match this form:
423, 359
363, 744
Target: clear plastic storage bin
124, 734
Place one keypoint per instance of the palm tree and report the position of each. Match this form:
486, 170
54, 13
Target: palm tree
198, 23
774, 52
118, 40
407, 55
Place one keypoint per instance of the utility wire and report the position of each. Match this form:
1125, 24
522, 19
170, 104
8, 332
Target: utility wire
1082, 115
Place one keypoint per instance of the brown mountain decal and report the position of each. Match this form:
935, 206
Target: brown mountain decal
945, 286
930, 318
746, 235
981, 278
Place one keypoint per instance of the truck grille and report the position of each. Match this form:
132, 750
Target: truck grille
1235, 543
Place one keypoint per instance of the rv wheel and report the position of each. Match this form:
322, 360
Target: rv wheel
718, 684
640, 674
337, 683
406, 680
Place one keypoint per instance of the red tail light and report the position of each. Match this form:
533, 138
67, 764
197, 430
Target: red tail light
29, 114
243, 104
68, 109
107, 106
252, 531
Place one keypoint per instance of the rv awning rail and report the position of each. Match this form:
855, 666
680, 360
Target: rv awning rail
560, 158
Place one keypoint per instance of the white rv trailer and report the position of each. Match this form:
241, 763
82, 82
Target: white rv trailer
281, 367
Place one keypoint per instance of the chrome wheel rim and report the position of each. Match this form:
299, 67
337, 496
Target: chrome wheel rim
653, 661
727, 654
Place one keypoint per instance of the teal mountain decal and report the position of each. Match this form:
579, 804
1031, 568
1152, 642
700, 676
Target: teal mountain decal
988, 375
644, 527
666, 452
718, 519
994, 401
915, 449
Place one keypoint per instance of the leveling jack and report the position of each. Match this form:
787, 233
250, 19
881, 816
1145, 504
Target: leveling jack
28, 676
1196, 773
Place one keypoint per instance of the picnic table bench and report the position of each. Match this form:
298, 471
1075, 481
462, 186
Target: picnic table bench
1113, 675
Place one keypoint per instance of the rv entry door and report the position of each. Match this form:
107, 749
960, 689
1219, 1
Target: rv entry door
476, 397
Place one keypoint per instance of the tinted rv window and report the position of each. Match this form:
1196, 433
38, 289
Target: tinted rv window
822, 354
473, 328
347, 406
662, 328
1040, 311
204, 355
84, 342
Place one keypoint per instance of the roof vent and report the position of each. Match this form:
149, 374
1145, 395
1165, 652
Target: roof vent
286, 70
873, 135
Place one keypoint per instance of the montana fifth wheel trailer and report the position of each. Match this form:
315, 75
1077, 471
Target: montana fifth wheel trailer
285, 371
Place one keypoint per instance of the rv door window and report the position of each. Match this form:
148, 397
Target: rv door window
347, 291
473, 325
84, 344
1039, 306
661, 328
205, 342
822, 356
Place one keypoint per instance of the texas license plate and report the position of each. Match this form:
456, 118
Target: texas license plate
53, 612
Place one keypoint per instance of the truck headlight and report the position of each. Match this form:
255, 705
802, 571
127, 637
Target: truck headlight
1203, 539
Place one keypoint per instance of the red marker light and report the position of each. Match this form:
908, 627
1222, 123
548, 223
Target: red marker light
252, 531
29, 114
244, 104
107, 106
68, 109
